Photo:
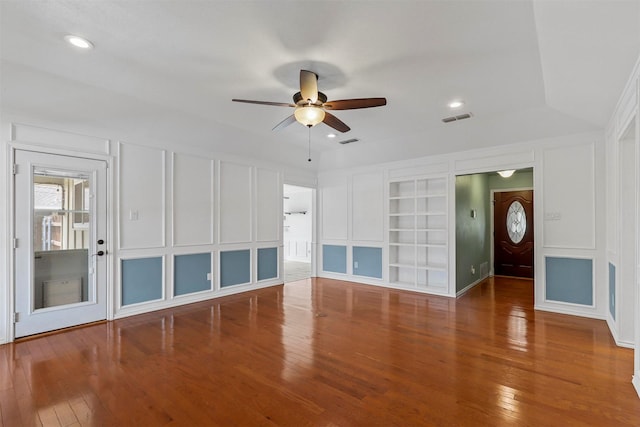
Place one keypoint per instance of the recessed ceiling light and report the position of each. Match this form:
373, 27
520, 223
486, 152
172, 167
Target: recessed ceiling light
455, 104
331, 135
78, 41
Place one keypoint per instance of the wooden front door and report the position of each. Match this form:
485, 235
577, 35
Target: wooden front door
513, 233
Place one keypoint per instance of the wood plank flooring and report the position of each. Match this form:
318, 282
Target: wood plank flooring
327, 353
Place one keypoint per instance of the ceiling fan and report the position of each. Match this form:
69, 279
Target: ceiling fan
311, 105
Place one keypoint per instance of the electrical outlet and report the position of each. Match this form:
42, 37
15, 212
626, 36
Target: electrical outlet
133, 215
355, 264
209, 276
473, 270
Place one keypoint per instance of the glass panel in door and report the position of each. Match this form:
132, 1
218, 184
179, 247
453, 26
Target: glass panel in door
61, 238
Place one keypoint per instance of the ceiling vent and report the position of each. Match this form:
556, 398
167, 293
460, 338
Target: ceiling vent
348, 141
458, 117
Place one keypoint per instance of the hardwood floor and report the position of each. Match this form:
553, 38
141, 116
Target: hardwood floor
327, 353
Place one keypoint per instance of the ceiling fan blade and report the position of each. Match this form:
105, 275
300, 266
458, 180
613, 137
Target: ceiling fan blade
336, 123
352, 104
309, 85
286, 122
277, 104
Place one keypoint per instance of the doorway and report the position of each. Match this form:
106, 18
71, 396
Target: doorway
474, 222
60, 230
513, 233
297, 232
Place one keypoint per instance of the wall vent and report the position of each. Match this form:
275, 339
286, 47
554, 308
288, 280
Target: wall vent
348, 141
458, 117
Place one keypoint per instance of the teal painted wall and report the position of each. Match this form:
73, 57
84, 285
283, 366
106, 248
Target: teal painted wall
612, 290
368, 261
569, 280
472, 234
141, 280
334, 258
235, 267
190, 273
267, 263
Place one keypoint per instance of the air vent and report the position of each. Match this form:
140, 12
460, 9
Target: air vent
458, 117
348, 141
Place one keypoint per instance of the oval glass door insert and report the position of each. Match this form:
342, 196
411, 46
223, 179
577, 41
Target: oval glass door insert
516, 222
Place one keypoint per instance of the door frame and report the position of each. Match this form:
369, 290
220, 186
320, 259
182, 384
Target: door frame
110, 247
314, 219
493, 220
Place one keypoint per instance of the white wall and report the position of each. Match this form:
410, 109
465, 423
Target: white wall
623, 141
569, 187
164, 201
5, 279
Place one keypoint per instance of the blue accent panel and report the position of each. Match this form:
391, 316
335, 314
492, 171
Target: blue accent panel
267, 263
235, 267
369, 261
612, 290
569, 280
141, 280
190, 273
334, 258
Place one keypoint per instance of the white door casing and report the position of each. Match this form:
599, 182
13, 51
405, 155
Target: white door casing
31, 318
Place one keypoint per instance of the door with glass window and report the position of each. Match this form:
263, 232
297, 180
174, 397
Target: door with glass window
60, 247
513, 233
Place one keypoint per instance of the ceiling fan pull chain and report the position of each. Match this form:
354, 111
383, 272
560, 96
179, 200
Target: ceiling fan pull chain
309, 159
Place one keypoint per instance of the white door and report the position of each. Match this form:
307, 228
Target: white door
60, 227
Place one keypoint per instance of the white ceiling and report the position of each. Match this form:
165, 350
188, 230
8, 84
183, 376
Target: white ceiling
166, 71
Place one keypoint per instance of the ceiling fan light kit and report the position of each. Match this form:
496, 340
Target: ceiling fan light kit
311, 105
309, 115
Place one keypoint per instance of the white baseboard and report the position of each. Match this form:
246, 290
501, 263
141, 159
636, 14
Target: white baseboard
570, 311
470, 286
636, 382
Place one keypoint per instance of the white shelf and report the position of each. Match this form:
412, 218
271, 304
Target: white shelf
418, 233
402, 265
433, 267
431, 213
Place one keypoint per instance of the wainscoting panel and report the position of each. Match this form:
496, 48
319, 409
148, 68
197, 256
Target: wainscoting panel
193, 185
367, 261
569, 280
268, 206
235, 203
569, 222
334, 258
235, 267
267, 263
612, 290
141, 280
368, 207
142, 197
334, 210
191, 273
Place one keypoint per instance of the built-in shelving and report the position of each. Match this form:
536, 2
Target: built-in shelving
418, 233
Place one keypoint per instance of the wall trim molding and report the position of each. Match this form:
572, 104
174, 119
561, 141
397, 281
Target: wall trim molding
471, 285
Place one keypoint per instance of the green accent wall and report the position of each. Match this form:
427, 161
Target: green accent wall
472, 234
522, 178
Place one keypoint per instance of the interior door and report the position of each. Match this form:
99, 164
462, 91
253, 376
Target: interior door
60, 227
513, 233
